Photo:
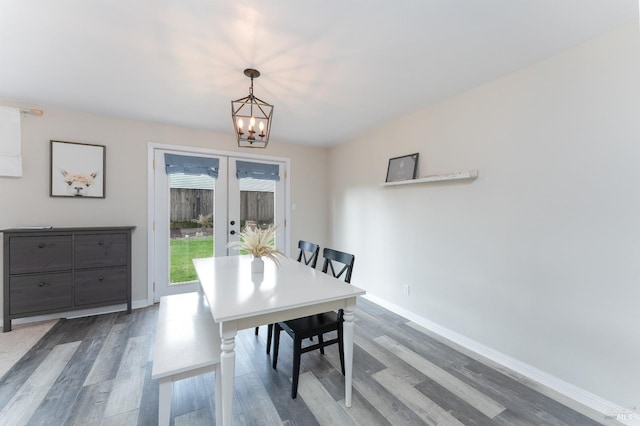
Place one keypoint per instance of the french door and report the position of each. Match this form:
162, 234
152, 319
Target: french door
202, 201
255, 198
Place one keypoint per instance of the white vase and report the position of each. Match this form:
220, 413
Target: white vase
257, 265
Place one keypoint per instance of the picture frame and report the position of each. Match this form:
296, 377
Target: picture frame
402, 168
77, 170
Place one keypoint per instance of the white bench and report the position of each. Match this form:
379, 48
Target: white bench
187, 344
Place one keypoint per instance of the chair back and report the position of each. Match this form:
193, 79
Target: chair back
341, 262
308, 253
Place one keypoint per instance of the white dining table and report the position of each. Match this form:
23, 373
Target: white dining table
239, 299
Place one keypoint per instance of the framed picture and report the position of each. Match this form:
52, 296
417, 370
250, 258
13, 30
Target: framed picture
402, 168
77, 170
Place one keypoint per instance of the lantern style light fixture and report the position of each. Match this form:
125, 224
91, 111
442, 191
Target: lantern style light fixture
251, 117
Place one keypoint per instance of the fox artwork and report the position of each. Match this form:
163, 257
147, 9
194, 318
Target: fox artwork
78, 184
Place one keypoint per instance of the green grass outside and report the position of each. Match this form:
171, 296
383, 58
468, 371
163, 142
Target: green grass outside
182, 251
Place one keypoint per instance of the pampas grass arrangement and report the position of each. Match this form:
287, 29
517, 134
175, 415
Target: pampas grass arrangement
259, 243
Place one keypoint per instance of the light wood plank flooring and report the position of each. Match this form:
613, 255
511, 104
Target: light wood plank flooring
97, 371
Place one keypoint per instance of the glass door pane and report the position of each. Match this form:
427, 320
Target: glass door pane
255, 202
191, 199
190, 216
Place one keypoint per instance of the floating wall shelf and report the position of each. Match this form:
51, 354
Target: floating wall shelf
469, 175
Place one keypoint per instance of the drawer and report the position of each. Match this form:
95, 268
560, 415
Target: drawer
100, 286
100, 250
42, 292
39, 254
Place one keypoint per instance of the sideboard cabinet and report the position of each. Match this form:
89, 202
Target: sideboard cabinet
52, 270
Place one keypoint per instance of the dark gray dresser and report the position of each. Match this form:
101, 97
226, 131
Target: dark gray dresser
65, 269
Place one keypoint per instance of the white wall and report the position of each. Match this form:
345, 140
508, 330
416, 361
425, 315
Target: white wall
25, 201
539, 258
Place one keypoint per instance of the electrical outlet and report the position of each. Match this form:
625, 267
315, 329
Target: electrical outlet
406, 289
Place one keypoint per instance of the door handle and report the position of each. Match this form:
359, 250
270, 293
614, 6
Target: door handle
233, 222
232, 232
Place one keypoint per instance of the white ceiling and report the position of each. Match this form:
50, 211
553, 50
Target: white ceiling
334, 69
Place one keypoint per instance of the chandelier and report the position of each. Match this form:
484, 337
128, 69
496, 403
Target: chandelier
251, 117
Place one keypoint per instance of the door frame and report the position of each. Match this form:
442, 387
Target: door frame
151, 193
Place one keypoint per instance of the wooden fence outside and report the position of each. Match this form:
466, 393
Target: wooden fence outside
256, 206
187, 204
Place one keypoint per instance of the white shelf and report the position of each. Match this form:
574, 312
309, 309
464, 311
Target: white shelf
468, 175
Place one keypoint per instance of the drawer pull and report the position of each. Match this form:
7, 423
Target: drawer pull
41, 284
101, 242
101, 279
41, 245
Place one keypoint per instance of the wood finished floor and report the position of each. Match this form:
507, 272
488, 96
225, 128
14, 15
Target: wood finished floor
97, 371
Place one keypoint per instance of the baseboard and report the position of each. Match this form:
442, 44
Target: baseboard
136, 304
608, 409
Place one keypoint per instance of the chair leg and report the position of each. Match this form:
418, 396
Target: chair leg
341, 347
321, 342
276, 344
257, 330
295, 372
269, 337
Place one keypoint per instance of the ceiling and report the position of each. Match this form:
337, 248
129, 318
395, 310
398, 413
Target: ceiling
334, 69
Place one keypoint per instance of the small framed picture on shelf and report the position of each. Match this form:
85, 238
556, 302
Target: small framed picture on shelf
402, 168
77, 170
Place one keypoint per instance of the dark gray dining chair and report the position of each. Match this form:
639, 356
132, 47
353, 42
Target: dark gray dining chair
339, 265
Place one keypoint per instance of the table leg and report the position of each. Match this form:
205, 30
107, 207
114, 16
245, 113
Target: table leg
348, 349
228, 333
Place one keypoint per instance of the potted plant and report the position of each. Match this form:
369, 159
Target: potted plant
259, 243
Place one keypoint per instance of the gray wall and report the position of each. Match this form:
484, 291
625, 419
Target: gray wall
538, 258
